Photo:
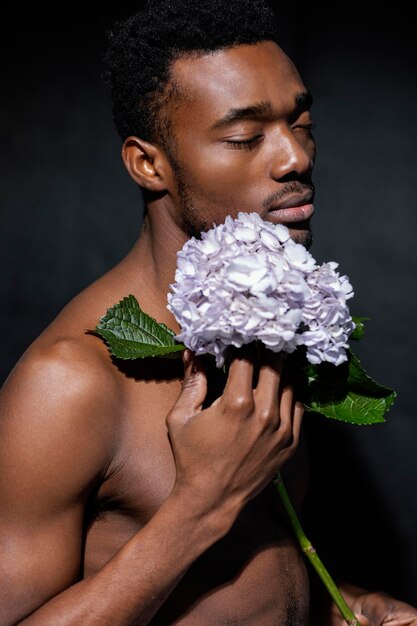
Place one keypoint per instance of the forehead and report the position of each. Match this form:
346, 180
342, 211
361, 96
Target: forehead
235, 77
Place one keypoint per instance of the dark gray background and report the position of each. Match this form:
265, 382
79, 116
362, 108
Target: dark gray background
69, 211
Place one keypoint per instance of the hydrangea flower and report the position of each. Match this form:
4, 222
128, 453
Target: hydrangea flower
246, 279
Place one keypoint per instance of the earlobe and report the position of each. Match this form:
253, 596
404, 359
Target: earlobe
141, 160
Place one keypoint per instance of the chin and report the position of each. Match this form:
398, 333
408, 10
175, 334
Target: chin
303, 236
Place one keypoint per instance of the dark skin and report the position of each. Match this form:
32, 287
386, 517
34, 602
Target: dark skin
140, 493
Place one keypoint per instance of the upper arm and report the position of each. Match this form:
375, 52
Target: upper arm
54, 447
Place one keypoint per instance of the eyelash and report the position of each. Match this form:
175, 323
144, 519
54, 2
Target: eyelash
250, 143
306, 126
244, 145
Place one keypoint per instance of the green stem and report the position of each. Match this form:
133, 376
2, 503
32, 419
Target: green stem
312, 556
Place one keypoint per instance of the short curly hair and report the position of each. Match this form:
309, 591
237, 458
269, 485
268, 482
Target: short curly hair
141, 48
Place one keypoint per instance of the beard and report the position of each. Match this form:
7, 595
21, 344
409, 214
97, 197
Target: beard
302, 233
191, 211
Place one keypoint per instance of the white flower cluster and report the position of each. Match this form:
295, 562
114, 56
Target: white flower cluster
246, 279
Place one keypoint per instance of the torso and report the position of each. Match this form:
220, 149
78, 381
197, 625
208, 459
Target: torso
256, 574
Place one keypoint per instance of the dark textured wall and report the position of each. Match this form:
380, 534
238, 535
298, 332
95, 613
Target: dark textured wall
69, 211
363, 72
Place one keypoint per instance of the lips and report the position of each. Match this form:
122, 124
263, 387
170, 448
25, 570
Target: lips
291, 214
294, 208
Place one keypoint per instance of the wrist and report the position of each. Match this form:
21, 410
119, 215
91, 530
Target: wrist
207, 521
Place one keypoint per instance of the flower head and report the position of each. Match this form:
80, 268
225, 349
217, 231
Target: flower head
246, 279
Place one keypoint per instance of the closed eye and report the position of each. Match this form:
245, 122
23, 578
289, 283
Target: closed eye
245, 144
308, 126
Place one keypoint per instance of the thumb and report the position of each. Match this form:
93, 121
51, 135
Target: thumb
194, 386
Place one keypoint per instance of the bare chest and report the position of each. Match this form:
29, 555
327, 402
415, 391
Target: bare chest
254, 575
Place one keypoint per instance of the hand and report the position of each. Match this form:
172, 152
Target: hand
228, 452
373, 608
380, 609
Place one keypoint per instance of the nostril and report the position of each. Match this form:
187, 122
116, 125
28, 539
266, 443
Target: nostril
293, 175
289, 177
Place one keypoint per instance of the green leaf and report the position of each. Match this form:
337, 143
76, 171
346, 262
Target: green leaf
132, 334
359, 331
347, 393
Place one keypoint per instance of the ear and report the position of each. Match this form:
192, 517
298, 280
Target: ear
146, 163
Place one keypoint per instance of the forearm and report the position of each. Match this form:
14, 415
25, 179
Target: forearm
133, 585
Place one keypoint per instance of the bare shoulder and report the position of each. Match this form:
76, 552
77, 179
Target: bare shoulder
57, 438
63, 368
61, 400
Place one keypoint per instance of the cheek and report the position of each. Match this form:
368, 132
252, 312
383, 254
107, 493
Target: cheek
225, 176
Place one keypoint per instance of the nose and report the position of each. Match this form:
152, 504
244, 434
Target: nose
293, 155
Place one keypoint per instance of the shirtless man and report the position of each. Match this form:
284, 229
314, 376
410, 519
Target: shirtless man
140, 493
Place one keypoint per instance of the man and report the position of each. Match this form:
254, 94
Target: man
140, 493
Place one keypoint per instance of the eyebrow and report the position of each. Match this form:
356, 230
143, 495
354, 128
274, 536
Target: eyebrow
303, 102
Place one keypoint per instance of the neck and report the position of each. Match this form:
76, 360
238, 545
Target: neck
150, 266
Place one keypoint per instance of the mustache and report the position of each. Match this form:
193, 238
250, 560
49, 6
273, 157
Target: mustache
293, 186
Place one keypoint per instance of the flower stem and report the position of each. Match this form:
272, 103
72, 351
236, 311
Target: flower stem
312, 555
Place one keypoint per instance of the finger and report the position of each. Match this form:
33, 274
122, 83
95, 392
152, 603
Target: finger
286, 412
269, 379
297, 422
270, 370
193, 389
289, 431
364, 621
238, 390
372, 609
